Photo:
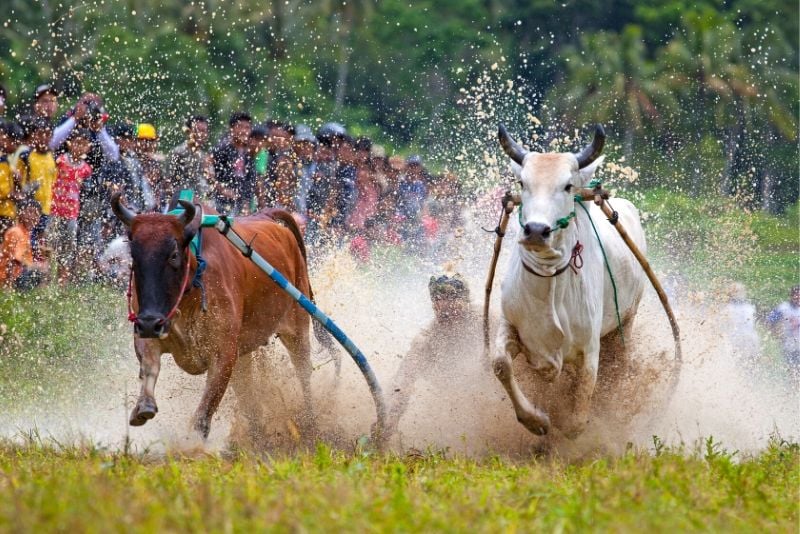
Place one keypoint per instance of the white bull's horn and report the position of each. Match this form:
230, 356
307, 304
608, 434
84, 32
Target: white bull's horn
593, 150
123, 212
511, 147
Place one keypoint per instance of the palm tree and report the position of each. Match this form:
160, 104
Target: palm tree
718, 78
609, 79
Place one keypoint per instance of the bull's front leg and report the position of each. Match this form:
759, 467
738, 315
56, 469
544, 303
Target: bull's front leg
508, 347
219, 375
148, 353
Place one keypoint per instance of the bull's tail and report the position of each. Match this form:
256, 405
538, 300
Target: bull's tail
323, 337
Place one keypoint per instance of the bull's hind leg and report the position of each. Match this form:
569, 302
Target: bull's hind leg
299, 347
508, 347
217, 379
248, 398
580, 384
149, 356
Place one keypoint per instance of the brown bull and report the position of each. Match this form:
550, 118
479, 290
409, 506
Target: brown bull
245, 308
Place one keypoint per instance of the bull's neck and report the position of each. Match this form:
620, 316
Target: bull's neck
547, 263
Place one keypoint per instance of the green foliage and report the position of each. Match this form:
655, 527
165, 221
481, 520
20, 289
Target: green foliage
666, 78
55, 487
50, 336
715, 241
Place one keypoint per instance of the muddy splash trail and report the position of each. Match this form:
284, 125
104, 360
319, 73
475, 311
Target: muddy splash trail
460, 407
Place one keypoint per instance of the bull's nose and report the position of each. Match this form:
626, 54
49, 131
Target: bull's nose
536, 232
151, 326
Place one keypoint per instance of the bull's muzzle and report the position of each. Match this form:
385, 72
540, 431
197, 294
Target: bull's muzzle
151, 326
535, 234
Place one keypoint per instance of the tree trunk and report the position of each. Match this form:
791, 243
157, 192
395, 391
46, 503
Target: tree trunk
345, 52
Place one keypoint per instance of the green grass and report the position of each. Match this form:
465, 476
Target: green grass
714, 241
47, 334
45, 488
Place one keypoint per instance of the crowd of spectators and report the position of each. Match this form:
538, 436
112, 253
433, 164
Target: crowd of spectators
57, 175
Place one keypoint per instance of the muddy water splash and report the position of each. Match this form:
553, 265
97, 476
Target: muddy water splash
461, 407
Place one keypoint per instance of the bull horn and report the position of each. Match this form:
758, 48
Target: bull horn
188, 212
123, 212
592, 152
511, 147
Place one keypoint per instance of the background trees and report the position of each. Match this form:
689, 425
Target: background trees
700, 94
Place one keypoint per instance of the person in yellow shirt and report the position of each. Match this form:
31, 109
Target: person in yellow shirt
9, 183
38, 170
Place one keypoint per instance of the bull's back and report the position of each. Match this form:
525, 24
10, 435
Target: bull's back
252, 295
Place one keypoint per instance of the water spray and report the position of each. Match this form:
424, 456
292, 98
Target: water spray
224, 226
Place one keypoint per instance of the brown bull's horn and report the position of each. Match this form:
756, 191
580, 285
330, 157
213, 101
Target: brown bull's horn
592, 151
123, 212
510, 147
188, 212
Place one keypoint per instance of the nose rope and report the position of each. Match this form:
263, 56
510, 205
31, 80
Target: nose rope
560, 224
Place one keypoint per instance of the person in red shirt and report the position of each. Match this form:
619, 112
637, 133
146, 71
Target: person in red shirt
72, 171
17, 268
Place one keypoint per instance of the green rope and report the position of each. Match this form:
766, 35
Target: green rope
560, 224
608, 268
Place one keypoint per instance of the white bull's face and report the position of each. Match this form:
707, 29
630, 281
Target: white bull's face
548, 183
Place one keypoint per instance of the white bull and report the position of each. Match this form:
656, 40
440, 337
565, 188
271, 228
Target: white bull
554, 315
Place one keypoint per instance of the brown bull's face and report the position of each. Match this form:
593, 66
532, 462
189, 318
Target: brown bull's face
158, 246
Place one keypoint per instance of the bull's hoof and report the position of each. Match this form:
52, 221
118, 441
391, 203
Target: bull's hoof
144, 410
573, 429
536, 423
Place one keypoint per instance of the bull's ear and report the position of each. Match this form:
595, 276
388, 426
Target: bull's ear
190, 230
516, 168
587, 173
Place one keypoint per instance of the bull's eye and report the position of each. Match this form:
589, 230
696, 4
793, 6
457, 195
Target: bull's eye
568, 188
175, 259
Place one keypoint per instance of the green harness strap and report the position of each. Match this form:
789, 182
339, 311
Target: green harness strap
608, 268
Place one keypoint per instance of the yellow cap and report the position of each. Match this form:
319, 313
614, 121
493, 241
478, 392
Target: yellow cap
146, 131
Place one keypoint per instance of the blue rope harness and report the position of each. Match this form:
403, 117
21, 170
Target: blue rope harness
196, 247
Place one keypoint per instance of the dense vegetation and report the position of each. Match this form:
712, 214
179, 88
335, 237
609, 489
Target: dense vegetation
700, 96
705, 489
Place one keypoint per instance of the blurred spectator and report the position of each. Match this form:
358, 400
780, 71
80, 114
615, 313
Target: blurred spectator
366, 205
9, 180
94, 220
153, 164
90, 113
784, 320
344, 189
189, 165
740, 317
320, 201
411, 193
138, 194
3, 99
281, 179
18, 268
363, 148
45, 102
256, 187
37, 168
72, 171
231, 161
304, 150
